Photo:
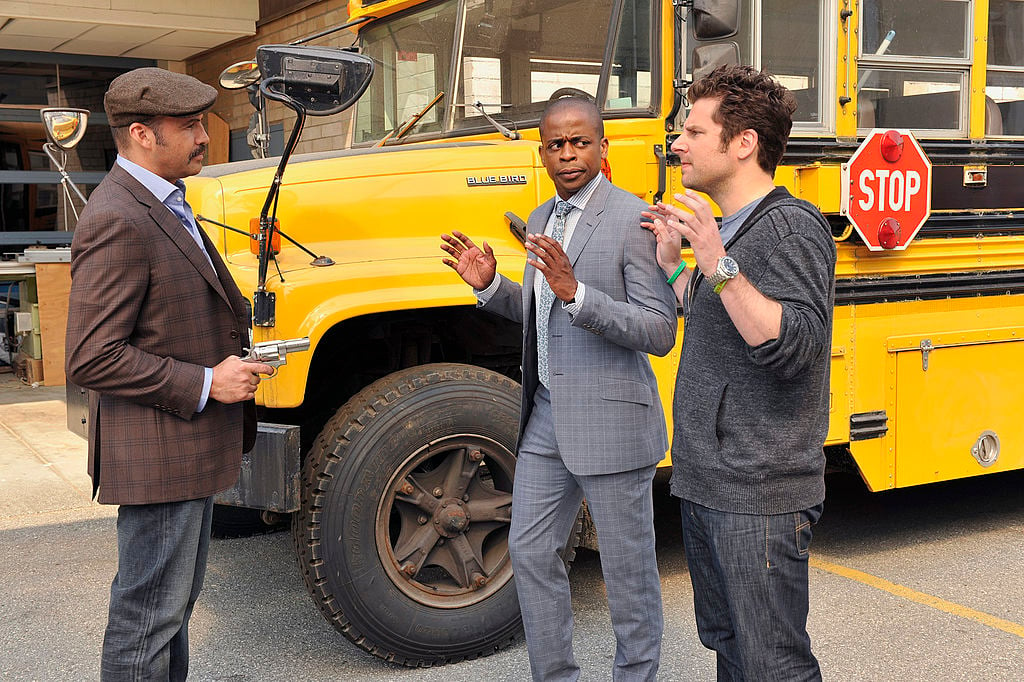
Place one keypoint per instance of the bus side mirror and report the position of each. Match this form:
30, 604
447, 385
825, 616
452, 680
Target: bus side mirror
322, 80
64, 127
240, 75
707, 58
714, 19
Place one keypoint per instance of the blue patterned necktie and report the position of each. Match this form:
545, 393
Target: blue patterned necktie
180, 208
546, 298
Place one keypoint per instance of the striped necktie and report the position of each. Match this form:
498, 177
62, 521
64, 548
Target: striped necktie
546, 298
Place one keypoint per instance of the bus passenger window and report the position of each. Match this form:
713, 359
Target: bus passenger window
1005, 26
919, 28
913, 65
791, 50
1004, 91
921, 100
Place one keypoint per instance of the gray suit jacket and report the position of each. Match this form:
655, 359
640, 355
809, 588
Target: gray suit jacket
607, 413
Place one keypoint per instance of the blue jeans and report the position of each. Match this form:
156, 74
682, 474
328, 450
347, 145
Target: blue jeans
749, 576
161, 562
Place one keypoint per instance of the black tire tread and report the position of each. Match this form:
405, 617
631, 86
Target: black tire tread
324, 459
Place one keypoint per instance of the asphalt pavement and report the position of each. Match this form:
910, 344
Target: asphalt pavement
918, 584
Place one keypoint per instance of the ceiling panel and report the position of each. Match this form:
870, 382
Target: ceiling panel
201, 39
28, 43
136, 28
169, 52
107, 48
132, 35
42, 27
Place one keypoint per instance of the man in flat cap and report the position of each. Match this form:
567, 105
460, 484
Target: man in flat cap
155, 330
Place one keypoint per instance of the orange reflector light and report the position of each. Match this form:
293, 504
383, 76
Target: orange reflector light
254, 236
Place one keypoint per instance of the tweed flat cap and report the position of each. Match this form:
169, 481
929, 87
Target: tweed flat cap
150, 91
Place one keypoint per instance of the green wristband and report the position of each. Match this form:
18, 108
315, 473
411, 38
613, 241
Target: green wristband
679, 271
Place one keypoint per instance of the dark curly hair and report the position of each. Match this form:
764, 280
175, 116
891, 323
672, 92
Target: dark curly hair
749, 99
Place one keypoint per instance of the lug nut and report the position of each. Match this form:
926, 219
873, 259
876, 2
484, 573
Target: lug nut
476, 455
409, 569
479, 580
422, 519
406, 488
438, 492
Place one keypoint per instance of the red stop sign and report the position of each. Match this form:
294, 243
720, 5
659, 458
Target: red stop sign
887, 189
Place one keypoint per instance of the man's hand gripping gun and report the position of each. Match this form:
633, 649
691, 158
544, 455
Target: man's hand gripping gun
275, 353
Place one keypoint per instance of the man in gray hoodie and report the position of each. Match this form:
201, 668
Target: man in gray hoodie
752, 392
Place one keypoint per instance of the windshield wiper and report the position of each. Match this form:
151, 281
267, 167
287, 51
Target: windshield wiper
402, 128
509, 134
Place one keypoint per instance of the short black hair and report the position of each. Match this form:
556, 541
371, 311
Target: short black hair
573, 102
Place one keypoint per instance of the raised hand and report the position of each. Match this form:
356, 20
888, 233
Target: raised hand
553, 264
670, 242
698, 228
476, 267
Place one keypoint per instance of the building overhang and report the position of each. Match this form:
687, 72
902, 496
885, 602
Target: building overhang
144, 29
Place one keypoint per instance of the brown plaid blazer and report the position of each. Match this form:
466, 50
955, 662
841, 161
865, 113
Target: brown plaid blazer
146, 315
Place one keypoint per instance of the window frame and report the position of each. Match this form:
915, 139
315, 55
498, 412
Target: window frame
894, 63
827, 60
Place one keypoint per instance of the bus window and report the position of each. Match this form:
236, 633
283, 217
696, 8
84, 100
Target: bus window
791, 50
516, 55
922, 100
1004, 91
629, 83
412, 56
915, 28
897, 34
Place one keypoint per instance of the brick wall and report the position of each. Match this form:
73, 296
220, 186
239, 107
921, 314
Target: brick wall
321, 133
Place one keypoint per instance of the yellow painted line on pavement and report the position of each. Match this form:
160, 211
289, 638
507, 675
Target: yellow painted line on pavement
920, 597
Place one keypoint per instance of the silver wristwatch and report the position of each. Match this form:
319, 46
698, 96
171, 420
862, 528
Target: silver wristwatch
727, 269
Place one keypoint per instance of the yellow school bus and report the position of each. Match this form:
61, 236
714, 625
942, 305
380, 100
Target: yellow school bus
392, 441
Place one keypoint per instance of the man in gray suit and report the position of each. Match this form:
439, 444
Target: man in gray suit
591, 425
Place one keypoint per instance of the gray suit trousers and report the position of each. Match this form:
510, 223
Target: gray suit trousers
545, 501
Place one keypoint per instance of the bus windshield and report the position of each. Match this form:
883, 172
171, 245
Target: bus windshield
507, 55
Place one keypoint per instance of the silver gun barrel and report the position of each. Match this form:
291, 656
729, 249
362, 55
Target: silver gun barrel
295, 345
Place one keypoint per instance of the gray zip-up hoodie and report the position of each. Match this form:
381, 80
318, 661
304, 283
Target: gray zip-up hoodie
750, 422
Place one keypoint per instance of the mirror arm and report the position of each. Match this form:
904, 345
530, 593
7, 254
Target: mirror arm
65, 179
266, 221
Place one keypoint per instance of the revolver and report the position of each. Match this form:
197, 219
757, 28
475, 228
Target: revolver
275, 353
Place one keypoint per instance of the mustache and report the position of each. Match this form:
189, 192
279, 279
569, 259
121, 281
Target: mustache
198, 151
